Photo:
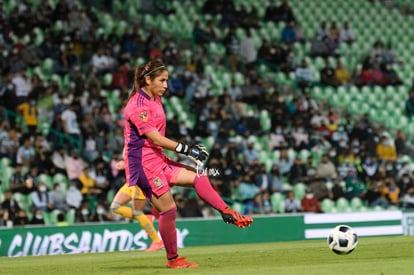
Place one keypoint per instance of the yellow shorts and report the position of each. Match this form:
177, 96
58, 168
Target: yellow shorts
133, 191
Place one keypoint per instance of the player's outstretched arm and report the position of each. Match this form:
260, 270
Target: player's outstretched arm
198, 153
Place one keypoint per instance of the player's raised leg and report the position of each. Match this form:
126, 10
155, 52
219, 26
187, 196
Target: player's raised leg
201, 183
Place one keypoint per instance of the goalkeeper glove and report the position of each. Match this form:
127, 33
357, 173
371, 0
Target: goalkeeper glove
197, 153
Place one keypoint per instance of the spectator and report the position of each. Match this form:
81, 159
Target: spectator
385, 150
247, 189
84, 215
374, 197
26, 153
327, 74
28, 110
18, 183
326, 169
276, 180
310, 203
31, 178
304, 76
369, 168
391, 192
354, 187
248, 51
41, 198
334, 34
23, 86
292, 205
71, 125
59, 158
100, 214
170, 53
88, 183
212, 32
58, 198
284, 162
337, 191
37, 218
277, 139
250, 153
73, 195
284, 12
401, 145
346, 35
200, 36
10, 206
322, 33
232, 45
101, 62
264, 54
288, 35
61, 219
408, 199
266, 204
342, 75
21, 218
74, 165
263, 179
300, 138
102, 177
152, 44
297, 171
405, 183
299, 34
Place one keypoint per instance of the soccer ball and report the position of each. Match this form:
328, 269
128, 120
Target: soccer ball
342, 239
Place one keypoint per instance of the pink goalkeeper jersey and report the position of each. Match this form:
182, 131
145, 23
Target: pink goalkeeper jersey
142, 157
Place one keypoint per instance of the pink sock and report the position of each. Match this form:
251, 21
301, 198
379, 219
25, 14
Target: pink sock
168, 231
207, 193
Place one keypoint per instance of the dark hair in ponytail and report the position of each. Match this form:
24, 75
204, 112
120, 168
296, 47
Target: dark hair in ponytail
152, 69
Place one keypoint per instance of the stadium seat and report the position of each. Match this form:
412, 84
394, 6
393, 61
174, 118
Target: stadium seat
70, 216
356, 204
342, 205
299, 189
328, 205
239, 207
277, 199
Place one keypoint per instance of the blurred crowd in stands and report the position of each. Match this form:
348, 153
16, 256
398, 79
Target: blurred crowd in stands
332, 153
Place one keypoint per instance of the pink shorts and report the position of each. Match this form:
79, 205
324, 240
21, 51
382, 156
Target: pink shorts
161, 180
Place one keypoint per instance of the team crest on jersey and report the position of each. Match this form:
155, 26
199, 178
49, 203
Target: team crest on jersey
143, 116
158, 183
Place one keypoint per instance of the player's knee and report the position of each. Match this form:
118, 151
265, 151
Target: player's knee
114, 207
137, 213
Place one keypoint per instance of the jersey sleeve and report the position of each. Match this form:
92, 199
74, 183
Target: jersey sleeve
143, 120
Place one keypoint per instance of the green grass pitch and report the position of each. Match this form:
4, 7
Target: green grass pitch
373, 255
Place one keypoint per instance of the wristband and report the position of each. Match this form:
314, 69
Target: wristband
182, 148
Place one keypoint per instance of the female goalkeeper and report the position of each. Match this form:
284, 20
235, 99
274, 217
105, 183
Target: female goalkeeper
133, 193
147, 166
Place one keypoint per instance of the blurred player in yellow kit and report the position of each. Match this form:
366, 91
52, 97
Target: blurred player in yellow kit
134, 193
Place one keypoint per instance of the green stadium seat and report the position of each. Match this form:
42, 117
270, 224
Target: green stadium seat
278, 202
239, 207
342, 205
328, 206
356, 204
71, 216
299, 190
